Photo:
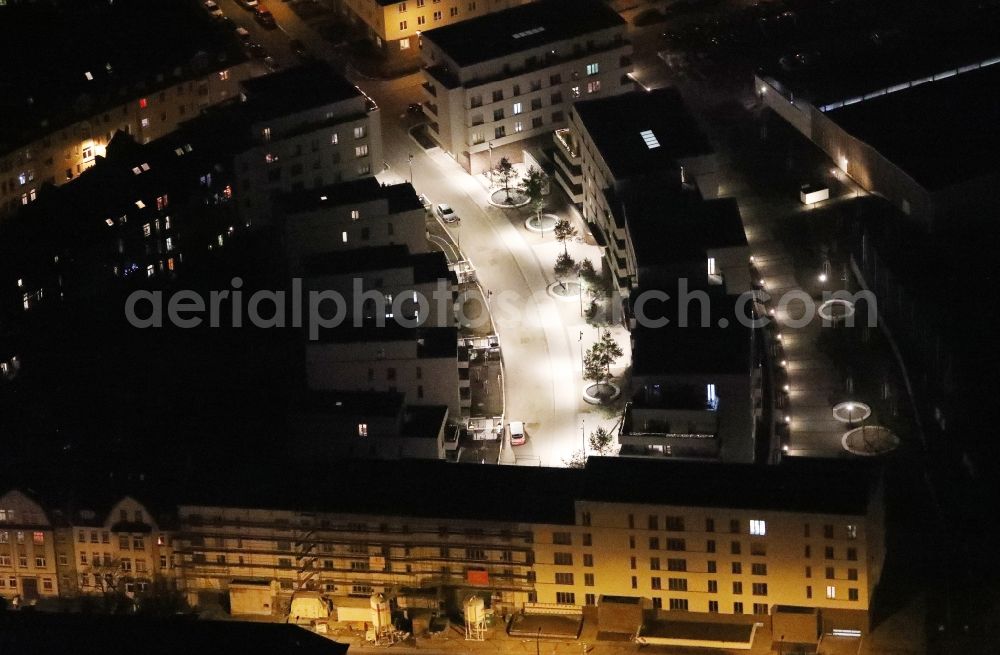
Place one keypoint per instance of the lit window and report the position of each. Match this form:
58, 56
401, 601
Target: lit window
518, 126
140, 204
711, 266
170, 244
361, 151
334, 139
517, 108
143, 103
146, 230
593, 86
757, 527
89, 76
404, 44
593, 69
266, 133
355, 214
575, 92
359, 132
831, 592
150, 270
170, 264
343, 237
223, 75
145, 122
110, 222
362, 429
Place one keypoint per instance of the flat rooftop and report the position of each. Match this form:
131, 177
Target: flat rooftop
852, 65
940, 133
427, 266
640, 132
353, 403
522, 28
130, 48
401, 197
686, 345
297, 89
546, 495
431, 342
667, 229
698, 631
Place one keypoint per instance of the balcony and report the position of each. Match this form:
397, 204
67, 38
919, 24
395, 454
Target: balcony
669, 431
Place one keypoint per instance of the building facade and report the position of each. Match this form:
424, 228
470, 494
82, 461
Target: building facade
689, 538
425, 364
28, 561
395, 26
493, 82
351, 215
309, 127
616, 149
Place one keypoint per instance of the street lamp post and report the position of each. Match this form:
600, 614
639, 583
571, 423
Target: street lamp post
580, 339
583, 437
489, 146
579, 282
409, 160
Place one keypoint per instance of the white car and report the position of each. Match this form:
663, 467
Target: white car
517, 436
446, 213
213, 8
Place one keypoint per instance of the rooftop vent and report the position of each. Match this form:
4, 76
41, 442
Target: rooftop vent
533, 30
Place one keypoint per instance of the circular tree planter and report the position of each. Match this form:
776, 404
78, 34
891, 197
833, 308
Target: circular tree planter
601, 393
851, 411
499, 198
870, 441
546, 224
567, 291
836, 309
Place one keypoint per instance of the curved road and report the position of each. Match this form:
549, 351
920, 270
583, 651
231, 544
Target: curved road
542, 361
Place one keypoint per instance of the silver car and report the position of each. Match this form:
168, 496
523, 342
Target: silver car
446, 213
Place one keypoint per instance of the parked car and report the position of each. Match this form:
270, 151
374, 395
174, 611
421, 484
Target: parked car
243, 34
264, 17
247, 4
517, 435
425, 201
446, 213
213, 8
415, 108
257, 51
271, 64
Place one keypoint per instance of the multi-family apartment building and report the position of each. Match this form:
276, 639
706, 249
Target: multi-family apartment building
617, 149
495, 81
697, 539
120, 549
426, 364
350, 215
386, 285
686, 539
395, 27
28, 562
367, 424
309, 127
61, 110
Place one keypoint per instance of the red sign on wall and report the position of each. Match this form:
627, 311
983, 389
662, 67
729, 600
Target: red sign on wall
478, 576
